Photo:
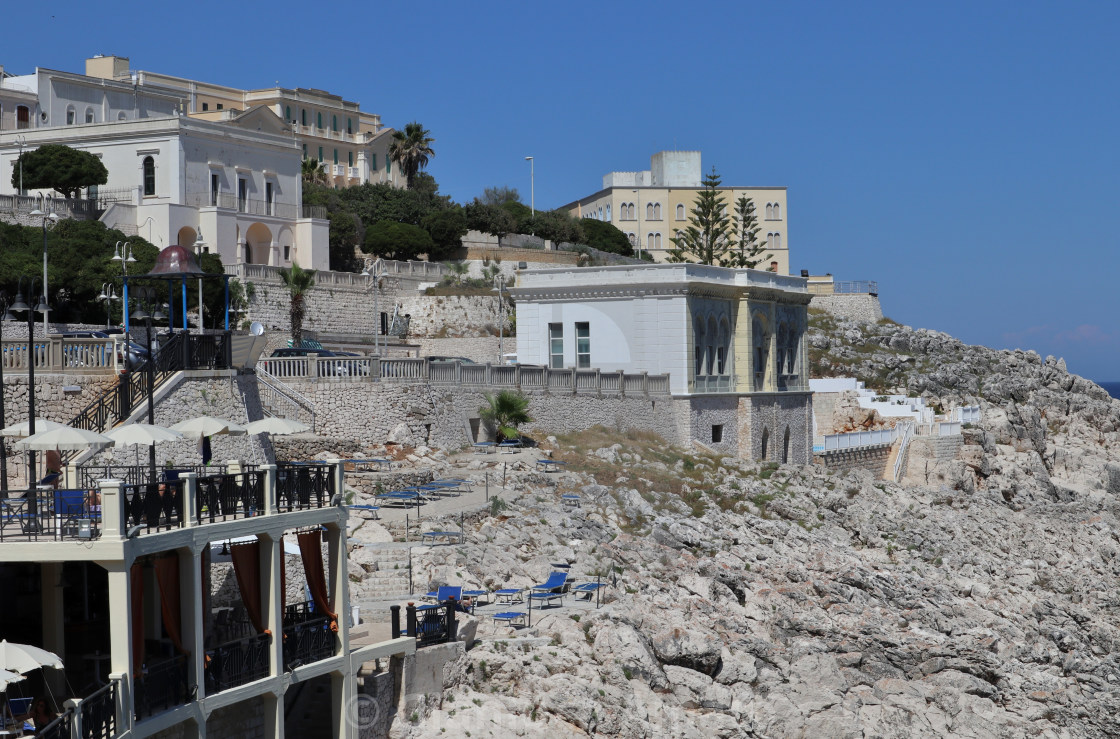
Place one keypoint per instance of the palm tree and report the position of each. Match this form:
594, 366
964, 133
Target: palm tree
298, 281
313, 172
411, 149
506, 410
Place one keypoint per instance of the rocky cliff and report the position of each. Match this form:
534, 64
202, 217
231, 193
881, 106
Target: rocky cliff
778, 601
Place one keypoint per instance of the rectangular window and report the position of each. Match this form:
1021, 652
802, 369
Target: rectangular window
220, 106
556, 345
214, 189
721, 358
336, 156
373, 162
305, 151
349, 126
388, 165
287, 253
320, 155
268, 198
242, 193
717, 433
583, 345
205, 107
350, 158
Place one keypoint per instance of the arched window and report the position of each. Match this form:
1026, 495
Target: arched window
657, 211
657, 241
649, 211
71, 115
680, 212
777, 212
760, 342
777, 240
89, 115
765, 443
649, 241
783, 331
711, 338
793, 341
121, 116
770, 240
608, 212
149, 176
769, 211
319, 119
785, 447
723, 348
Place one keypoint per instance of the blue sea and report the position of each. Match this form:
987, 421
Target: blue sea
1113, 388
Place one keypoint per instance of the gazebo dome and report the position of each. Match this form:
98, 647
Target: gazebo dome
175, 261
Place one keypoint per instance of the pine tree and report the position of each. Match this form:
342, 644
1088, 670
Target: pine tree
709, 235
747, 253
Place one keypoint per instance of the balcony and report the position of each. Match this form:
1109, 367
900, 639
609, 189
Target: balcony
230, 201
704, 384
307, 635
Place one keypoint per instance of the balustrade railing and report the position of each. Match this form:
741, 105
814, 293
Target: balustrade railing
237, 662
97, 713
308, 640
44, 513
156, 506
303, 486
161, 686
60, 728
230, 496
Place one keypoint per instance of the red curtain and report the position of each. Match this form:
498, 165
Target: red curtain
167, 574
136, 576
311, 550
246, 558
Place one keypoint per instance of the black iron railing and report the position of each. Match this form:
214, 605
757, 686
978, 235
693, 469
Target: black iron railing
307, 636
303, 486
161, 686
224, 497
99, 713
46, 513
131, 474
237, 662
57, 729
427, 624
155, 506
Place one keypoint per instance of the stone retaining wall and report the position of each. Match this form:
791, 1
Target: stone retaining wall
329, 308
453, 316
870, 458
764, 421
925, 452
481, 349
856, 307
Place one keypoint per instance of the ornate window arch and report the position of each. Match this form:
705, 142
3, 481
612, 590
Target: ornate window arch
723, 348
765, 443
698, 346
680, 211
760, 342
149, 168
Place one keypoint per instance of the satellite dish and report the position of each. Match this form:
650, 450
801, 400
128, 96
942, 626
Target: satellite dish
255, 328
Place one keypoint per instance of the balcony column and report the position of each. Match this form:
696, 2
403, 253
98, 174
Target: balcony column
272, 562
120, 635
54, 631
342, 682
190, 498
112, 510
190, 596
273, 254
271, 505
741, 348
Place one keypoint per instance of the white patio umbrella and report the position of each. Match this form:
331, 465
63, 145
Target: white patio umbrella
24, 658
196, 428
276, 426
7, 678
24, 427
65, 437
141, 434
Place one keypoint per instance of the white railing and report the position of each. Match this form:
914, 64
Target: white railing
857, 439
939, 428
907, 433
61, 355
276, 393
967, 414
713, 384
326, 278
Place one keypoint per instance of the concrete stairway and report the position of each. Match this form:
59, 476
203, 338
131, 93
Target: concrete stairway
391, 578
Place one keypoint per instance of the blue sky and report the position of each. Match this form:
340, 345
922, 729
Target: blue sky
964, 155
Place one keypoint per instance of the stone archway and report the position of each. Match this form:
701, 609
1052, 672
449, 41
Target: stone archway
187, 237
765, 443
258, 244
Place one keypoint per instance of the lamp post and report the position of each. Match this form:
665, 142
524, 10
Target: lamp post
122, 253
108, 295
21, 140
7, 318
199, 247
532, 188
19, 306
500, 285
377, 274
145, 295
49, 219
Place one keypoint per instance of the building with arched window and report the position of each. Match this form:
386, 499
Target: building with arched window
667, 190
731, 341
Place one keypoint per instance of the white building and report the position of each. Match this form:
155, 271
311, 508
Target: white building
237, 181
732, 342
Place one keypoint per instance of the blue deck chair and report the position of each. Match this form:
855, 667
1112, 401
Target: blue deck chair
69, 505
555, 583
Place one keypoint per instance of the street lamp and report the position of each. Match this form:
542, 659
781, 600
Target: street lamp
199, 247
7, 318
377, 274
500, 286
49, 219
21, 140
122, 253
19, 306
108, 295
144, 296
532, 188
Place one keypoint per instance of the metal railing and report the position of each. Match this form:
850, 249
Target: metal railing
155, 506
854, 287
89, 475
44, 513
63, 207
967, 414
229, 496
249, 206
274, 391
907, 433
238, 662
56, 354
427, 624
713, 384
857, 439
161, 686
939, 428
307, 635
303, 486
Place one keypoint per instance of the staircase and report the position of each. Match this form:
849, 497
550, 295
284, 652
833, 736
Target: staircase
391, 578
283, 401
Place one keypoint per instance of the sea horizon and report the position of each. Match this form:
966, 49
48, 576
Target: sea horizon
1113, 388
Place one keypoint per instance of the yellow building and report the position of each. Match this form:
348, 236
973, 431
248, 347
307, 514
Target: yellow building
654, 205
351, 144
